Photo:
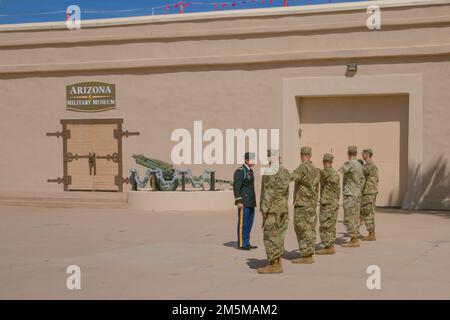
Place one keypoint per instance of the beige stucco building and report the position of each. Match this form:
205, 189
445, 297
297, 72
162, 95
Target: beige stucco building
272, 68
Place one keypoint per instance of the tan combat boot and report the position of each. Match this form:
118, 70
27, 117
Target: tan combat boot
370, 237
304, 260
274, 267
328, 250
353, 243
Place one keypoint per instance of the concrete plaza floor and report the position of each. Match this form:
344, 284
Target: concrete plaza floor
190, 255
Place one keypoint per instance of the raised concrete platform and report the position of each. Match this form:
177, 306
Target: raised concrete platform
181, 200
71, 199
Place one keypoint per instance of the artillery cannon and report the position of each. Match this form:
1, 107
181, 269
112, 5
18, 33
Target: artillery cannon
162, 176
158, 168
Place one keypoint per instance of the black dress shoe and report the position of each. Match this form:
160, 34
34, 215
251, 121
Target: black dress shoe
245, 248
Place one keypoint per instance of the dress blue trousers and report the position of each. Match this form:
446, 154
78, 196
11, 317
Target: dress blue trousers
244, 226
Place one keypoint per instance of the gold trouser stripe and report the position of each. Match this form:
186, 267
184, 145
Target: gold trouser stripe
241, 222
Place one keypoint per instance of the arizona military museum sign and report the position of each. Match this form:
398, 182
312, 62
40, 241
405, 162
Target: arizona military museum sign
90, 96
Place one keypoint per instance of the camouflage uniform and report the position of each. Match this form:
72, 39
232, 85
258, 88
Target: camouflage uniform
353, 182
369, 193
306, 190
274, 207
329, 203
361, 219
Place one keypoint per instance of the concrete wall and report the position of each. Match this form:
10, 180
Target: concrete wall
226, 69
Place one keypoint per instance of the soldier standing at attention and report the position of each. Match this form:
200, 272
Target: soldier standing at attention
274, 209
245, 200
330, 191
306, 190
361, 219
353, 183
369, 194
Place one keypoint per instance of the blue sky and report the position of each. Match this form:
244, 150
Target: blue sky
24, 11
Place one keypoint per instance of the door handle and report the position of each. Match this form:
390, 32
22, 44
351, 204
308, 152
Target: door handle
92, 164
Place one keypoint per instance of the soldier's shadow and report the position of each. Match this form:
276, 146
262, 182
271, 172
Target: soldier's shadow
342, 239
231, 244
294, 254
291, 255
256, 263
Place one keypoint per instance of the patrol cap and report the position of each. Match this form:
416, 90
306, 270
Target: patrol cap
352, 149
305, 150
328, 157
368, 151
249, 156
272, 152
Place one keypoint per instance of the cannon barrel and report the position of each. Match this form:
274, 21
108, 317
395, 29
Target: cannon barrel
168, 172
153, 163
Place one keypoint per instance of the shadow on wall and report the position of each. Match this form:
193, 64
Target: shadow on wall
434, 189
439, 213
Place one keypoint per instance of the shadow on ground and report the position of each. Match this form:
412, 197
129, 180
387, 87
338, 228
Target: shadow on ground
291, 255
231, 244
439, 213
341, 240
256, 263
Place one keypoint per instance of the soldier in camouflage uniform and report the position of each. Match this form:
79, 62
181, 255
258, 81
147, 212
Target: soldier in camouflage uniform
353, 183
369, 194
330, 191
361, 219
306, 190
274, 209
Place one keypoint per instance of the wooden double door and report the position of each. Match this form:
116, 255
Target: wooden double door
92, 150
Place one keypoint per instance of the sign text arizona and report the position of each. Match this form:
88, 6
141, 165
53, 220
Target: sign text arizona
90, 96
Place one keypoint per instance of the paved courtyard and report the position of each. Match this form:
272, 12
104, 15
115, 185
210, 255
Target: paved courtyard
190, 255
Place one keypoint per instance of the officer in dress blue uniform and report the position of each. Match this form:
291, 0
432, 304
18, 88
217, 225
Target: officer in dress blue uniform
245, 200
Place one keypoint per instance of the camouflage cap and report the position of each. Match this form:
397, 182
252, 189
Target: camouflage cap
368, 151
305, 150
352, 149
328, 157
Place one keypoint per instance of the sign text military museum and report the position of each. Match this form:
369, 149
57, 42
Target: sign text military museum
76, 105
90, 96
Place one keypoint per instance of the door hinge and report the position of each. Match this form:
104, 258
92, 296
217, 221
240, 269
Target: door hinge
118, 181
118, 134
65, 134
66, 180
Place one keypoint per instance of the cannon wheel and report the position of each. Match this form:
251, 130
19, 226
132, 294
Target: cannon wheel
173, 188
153, 183
167, 176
